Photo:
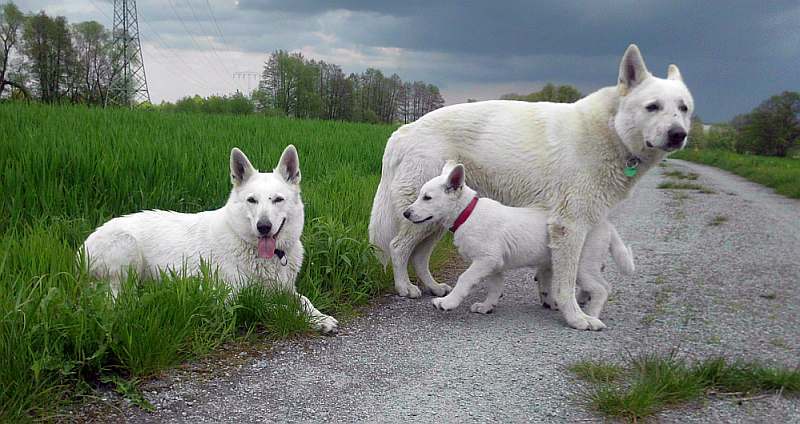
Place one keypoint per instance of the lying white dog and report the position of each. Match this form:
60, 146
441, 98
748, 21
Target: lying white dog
254, 237
496, 238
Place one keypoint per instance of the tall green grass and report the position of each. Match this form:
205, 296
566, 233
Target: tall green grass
781, 174
65, 170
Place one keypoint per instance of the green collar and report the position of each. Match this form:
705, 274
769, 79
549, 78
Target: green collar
632, 166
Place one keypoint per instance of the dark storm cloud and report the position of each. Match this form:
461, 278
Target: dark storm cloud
733, 54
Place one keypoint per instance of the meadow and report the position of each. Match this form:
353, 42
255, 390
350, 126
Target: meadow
66, 169
781, 174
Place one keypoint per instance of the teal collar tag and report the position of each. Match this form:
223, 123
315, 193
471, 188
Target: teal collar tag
632, 166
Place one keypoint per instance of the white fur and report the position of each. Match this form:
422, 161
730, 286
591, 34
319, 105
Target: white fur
496, 238
152, 241
568, 159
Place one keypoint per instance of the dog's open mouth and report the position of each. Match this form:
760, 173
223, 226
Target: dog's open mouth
266, 244
423, 220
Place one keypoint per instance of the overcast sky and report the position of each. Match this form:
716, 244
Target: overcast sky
732, 54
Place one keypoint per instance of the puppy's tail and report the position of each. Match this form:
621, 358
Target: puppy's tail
622, 254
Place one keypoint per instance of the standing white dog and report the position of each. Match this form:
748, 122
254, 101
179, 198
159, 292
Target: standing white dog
575, 160
254, 237
496, 238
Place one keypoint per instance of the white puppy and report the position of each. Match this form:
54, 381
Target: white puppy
254, 237
495, 238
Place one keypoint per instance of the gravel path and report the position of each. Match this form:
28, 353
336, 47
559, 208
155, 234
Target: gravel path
726, 289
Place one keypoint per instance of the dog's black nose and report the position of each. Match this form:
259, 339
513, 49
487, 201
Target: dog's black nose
407, 213
675, 137
264, 227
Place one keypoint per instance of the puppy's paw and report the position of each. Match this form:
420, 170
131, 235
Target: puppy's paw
326, 324
410, 291
440, 290
582, 321
446, 303
482, 308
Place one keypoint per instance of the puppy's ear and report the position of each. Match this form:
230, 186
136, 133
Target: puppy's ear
455, 179
674, 73
289, 165
241, 169
448, 166
632, 70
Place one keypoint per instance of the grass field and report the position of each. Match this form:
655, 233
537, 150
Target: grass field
782, 174
64, 170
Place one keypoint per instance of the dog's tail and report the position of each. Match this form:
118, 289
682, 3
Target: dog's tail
382, 222
622, 254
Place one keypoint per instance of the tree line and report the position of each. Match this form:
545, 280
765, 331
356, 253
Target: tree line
294, 85
771, 129
50, 60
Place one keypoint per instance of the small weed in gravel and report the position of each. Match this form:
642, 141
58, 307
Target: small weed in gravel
718, 220
681, 176
596, 371
649, 383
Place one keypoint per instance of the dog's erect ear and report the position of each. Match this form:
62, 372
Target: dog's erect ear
448, 166
674, 73
632, 70
455, 179
241, 169
289, 165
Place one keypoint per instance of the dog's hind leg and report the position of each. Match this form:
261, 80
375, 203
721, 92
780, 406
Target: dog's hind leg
594, 287
544, 278
420, 258
495, 283
403, 244
474, 274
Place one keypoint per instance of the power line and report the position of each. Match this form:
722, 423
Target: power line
161, 45
211, 43
189, 33
214, 19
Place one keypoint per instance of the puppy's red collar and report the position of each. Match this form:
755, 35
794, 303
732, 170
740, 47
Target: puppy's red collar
464, 215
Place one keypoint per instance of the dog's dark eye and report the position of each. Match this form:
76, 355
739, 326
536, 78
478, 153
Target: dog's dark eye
277, 199
653, 107
683, 108
252, 200
426, 197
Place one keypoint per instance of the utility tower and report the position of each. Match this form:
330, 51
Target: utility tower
128, 82
249, 77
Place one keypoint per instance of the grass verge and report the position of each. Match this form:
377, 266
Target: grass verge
650, 383
781, 174
64, 170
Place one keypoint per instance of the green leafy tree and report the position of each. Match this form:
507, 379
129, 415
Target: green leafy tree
772, 128
548, 93
11, 23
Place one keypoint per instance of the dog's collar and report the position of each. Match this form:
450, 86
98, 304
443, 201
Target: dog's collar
464, 215
632, 165
280, 253
281, 257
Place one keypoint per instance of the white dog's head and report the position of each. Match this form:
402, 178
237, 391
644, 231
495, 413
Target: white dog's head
654, 113
438, 198
264, 207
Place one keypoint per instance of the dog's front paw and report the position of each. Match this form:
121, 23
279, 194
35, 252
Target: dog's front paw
482, 308
446, 303
440, 289
326, 324
410, 291
585, 322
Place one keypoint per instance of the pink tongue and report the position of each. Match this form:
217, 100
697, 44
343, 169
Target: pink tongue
266, 247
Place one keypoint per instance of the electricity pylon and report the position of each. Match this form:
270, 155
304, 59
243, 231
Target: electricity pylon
128, 85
